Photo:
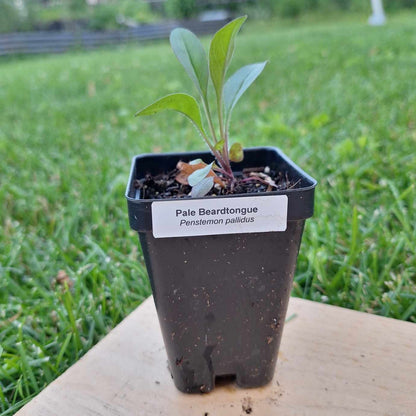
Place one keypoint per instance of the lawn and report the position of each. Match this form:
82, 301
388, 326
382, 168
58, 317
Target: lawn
338, 97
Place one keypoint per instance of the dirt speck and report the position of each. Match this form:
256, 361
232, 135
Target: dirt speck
63, 280
275, 324
247, 405
203, 389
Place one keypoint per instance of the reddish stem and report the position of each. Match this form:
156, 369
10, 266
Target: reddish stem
258, 180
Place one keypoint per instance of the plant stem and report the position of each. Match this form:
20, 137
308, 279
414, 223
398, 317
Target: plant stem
207, 141
222, 162
257, 179
224, 137
207, 112
225, 152
220, 155
221, 119
224, 172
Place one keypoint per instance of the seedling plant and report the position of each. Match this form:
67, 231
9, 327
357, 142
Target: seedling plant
206, 71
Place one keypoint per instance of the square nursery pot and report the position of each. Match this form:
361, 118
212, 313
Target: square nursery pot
221, 288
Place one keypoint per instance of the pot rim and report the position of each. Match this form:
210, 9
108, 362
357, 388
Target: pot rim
284, 157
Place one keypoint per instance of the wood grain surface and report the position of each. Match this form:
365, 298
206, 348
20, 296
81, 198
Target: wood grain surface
332, 361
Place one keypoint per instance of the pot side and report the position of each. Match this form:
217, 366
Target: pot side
222, 299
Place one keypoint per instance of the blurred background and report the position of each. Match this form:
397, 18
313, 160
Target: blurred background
338, 96
30, 15
59, 25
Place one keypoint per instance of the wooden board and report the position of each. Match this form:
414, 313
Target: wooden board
332, 361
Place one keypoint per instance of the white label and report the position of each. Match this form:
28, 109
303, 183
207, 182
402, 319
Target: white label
212, 216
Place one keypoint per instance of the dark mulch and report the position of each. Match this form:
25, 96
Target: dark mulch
165, 186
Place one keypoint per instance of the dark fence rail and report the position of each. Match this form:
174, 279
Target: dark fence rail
59, 42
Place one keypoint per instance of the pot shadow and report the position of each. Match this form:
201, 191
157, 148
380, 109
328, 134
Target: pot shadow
226, 382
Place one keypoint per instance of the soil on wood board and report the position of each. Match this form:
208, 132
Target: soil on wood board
249, 181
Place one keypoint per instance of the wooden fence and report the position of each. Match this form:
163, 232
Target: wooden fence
58, 42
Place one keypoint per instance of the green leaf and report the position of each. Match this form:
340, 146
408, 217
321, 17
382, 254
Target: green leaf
199, 174
190, 53
196, 161
202, 187
183, 103
237, 84
219, 145
236, 152
221, 52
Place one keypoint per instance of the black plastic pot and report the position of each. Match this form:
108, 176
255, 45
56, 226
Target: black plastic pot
222, 299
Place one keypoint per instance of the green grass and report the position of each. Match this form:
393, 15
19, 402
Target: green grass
338, 97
